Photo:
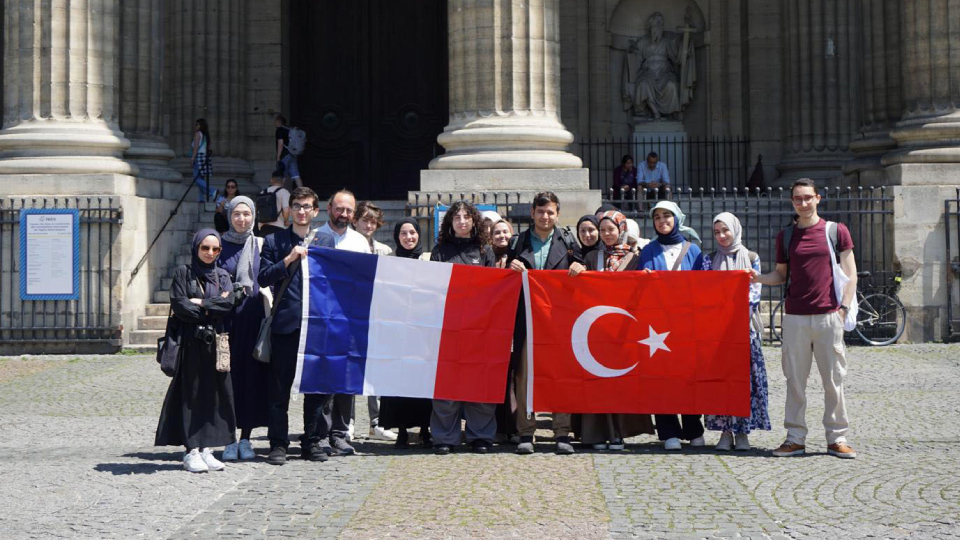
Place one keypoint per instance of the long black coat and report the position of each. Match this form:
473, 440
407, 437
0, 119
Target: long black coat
198, 409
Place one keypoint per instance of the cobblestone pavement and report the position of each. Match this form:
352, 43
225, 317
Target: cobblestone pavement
76, 461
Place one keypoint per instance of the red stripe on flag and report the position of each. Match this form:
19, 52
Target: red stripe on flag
478, 321
705, 371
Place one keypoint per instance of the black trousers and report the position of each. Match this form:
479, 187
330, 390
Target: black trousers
283, 367
668, 427
335, 420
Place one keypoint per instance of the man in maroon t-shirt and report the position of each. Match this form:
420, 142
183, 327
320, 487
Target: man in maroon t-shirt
813, 321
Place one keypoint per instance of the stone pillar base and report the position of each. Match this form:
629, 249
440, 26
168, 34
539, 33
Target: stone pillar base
152, 157
572, 187
506, 142
58, 147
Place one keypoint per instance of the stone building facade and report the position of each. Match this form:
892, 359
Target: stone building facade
100, 97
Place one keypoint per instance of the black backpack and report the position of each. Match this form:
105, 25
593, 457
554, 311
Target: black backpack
267, 211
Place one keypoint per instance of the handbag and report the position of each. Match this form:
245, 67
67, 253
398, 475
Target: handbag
168, 347
840, 281
261, 351
223, 352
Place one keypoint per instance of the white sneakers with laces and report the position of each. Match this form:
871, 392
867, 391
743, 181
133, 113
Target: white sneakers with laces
743, 442
377, 433
193, 462
211, 462
726, 442
697, 442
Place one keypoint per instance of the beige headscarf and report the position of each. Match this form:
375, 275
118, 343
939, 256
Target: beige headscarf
735, 256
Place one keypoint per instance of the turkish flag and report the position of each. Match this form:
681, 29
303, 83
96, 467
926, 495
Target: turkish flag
633, 342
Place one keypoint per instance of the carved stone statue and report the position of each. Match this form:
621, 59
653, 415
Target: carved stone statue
659, 73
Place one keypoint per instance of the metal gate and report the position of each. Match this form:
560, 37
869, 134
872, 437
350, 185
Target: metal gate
33, 325
951, 216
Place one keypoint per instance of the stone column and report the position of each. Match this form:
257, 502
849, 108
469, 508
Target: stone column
881, 104
141, 70
206, 80
925, 167
60, 88
505, 87
820, 86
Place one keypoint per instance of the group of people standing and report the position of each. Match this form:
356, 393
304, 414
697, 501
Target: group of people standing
237, 279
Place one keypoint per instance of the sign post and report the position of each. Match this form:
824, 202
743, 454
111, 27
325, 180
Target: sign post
49, 254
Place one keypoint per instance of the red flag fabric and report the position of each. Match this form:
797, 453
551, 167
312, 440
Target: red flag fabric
633, 342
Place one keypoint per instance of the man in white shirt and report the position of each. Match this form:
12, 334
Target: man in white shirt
340, 210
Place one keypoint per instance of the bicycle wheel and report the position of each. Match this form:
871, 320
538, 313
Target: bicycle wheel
881, 320
776, 322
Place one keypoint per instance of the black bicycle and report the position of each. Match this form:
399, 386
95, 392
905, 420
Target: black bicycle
881, 320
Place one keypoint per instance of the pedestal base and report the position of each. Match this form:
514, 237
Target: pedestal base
572, 187
58, 147
668, 140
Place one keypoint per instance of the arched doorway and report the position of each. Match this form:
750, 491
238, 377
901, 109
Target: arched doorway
368, 83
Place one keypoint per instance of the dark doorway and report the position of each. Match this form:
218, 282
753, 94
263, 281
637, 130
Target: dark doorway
368, 83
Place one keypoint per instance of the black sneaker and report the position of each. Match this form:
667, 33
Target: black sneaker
426, 440
441, 449
480, 446
342, 447
312, 452
278, 456
403, 440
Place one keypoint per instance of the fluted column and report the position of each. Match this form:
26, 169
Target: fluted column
60, 88
206, 74
881, 105
504, 87
821, 86
141, 70
929, 131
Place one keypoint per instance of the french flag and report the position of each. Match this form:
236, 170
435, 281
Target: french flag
390, 326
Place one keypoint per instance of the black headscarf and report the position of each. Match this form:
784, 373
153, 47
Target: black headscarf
607, 207
586, 250
401, 251
206, 272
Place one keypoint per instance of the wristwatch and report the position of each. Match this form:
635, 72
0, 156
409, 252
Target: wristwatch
845, 308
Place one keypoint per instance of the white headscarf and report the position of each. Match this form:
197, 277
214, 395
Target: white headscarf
735, 256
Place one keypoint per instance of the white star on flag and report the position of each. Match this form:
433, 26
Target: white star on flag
656, 341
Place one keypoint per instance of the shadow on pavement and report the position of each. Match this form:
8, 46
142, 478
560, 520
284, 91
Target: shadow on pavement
118, 469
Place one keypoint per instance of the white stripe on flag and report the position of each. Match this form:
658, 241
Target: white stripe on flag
406, 321
305, 316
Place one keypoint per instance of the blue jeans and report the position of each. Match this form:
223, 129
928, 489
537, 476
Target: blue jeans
203, 189
290, 167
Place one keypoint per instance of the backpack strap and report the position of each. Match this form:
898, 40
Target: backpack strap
832, 236
566, 236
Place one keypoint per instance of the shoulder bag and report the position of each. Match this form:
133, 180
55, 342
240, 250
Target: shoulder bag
261, 351
168, 347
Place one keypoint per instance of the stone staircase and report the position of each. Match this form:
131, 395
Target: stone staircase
151, 326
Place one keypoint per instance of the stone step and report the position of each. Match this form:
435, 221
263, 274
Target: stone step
161, 296
165, 283
145, 337
157, 310
142, 348
152, 323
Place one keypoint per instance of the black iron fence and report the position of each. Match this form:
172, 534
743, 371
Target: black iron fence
697, 163
91, 318
867, 212
951, 217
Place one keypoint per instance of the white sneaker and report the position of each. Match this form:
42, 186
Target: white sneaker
671, 444
212, 463
377, 433
743, 442
600, 446
698, 442
193, 462
246, 450
617, 445
726, 442
229, 452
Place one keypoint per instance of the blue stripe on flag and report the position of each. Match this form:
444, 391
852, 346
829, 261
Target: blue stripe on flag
335, 349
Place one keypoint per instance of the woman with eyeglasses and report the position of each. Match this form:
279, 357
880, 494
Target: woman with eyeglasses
198, 409
221, 218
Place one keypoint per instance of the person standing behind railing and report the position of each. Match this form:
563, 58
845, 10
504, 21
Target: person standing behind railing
200, 159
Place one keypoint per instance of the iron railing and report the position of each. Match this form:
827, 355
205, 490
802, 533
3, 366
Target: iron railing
91, 318
951, 217
697, 163
512, 207
173, 213
867, 213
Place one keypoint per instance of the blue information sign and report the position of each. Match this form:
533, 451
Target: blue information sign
49, 254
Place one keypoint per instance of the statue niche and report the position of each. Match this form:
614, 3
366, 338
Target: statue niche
659, 72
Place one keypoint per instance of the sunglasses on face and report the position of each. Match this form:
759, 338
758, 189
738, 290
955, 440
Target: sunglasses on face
211, 249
